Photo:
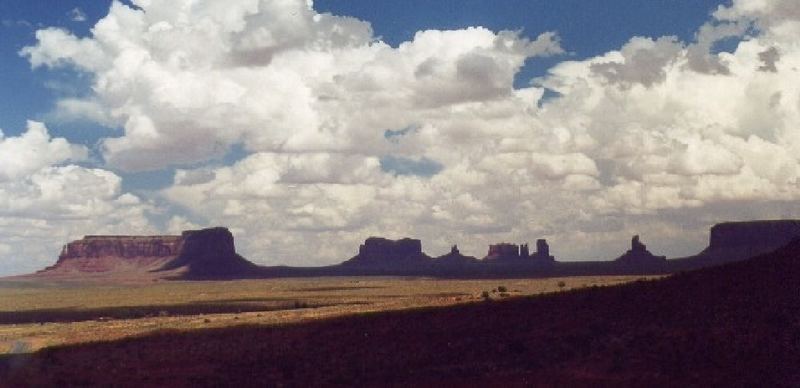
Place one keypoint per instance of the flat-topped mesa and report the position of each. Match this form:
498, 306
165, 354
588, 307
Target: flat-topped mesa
751, 238
503, 251
734, 241
210, 253
207, 253
382, 252
638, 255
95, 254
122, 246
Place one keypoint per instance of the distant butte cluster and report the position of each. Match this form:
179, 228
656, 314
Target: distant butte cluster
210, 254
513, 252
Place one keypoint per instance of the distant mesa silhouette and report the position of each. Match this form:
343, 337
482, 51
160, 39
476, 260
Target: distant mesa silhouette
504, 252
734, 241
454, 259
195, 254
211, 254
519, 254
383, 253
638, 255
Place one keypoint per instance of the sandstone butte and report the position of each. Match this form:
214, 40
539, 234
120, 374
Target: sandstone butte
195, 254
211, 254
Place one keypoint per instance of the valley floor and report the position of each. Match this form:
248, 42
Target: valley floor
734, 325
35, 314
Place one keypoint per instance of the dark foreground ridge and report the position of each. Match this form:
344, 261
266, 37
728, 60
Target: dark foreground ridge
732, 325
210, 254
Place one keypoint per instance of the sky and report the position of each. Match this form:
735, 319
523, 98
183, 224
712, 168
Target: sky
306, 127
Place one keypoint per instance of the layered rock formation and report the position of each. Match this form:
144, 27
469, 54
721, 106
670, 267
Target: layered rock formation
97, 254
639, 256
207, 253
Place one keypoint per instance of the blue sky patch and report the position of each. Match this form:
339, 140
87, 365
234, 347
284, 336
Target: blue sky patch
399, 165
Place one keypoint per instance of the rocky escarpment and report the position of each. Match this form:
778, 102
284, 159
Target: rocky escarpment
98, 254
519, 254
747, 239
207, 253
210, 253
734, 241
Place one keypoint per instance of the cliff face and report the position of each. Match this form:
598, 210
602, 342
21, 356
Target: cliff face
207, 253
504, 251
93, 254
122, 246
732, 241
755, 234
377, 252
210, 253
542, 253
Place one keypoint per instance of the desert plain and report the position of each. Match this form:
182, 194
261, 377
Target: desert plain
40, 314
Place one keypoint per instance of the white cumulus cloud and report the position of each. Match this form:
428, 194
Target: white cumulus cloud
34, 149
46, 202
661, 137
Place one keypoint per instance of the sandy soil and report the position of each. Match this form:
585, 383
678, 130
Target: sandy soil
38, 314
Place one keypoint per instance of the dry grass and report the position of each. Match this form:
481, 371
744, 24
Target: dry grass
269, 302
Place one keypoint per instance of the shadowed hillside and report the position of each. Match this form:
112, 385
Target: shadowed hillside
735, 325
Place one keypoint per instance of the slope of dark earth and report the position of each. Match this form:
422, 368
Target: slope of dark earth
736, 325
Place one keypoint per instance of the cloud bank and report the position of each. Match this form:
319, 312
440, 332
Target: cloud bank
346, 136
46, 200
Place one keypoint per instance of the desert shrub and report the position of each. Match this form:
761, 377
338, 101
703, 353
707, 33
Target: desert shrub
485, 294
561, 284
502, 289
300, 305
